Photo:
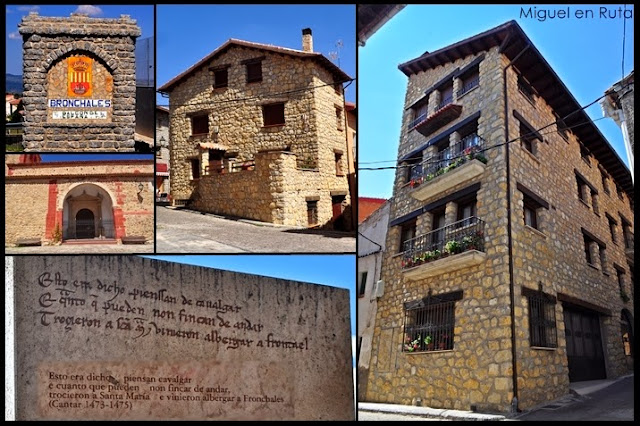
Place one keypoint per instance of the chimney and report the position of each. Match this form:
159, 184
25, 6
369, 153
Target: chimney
307, 40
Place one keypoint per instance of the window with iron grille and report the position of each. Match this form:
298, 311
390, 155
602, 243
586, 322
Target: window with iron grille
407, 232
429, 323
312, 212
200, 125
469, 80
254, 72
220, 78
273, 114
542, 318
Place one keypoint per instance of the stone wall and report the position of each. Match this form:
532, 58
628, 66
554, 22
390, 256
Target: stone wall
478, 371
235, 117
274, 191
110, 43
43, 187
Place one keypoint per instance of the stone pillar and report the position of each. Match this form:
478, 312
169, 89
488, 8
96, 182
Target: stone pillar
450, 213
457, 85
454, 138
434, 101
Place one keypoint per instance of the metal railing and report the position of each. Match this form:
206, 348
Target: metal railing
417, 120
469, 85
458, 237
87, 229
444, 102
467, 149
429, 328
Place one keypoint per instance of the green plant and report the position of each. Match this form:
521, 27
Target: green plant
481, 158
452, 247
56, 235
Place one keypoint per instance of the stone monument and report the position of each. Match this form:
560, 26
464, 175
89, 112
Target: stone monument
125, 337
79, 83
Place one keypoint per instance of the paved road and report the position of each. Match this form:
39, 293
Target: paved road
187, 231
368, 416
614, 402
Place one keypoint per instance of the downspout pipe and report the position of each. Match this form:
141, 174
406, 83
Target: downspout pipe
514, 401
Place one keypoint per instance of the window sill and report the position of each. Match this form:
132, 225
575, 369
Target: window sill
428, 352
543, 348
340, 175
531, 101
606, 273
219, 88
254, 81
597, 214
593, 266
585, 203
586, 161
536, 231
271, 126
361, 296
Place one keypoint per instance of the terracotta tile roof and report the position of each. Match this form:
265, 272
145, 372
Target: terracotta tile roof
368, 205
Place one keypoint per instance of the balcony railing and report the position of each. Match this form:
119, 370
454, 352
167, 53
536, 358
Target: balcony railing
467, 149
88, 229
445, 101
469, 85
458, 237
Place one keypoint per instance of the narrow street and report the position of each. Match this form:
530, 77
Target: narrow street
188, 231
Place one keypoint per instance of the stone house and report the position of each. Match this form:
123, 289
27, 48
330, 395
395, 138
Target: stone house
97, 201
508, 268
372, 232
163, 160
258, 131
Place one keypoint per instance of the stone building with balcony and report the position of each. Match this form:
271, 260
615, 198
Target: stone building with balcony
508, 268
259, 131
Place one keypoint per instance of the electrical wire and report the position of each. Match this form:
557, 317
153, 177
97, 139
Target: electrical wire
533, 133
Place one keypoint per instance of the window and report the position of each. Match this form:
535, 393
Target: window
620, 279
542, 318
199, 125
587, 249
469, 80
338, 158
273, 114
527, 139
467, 211
605, 182
562, 128
312, 212
446, 96
620, 193
220, 78
583, 188
525, 88
438, 224
254, 72
429, 323
363, 283
594, 202
530, 211
627, 235
584, 153
612, 228
339, 119
407, 232
413, 168
195, 169
419, 114
603, 259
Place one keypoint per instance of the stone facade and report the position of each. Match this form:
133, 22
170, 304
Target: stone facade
236, 130
163, 160
372, 232
51, 201
477, 369
109, 45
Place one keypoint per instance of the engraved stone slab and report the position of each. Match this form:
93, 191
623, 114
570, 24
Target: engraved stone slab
124, 337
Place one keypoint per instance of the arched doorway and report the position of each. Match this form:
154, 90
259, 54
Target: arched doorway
85, 224
87, 213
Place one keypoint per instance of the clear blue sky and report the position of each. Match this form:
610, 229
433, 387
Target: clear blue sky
585, 53
188, 33
330, 270
14, 13
49, 158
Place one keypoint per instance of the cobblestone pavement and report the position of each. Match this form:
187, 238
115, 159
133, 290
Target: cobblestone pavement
188, 231
83, 249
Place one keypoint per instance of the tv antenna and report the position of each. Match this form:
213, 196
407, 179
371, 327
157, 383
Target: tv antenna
335, 55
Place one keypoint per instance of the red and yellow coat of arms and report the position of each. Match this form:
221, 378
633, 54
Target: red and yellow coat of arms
79, 76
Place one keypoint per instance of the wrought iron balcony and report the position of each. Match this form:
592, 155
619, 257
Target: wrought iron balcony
469, 85
444, 113
450, 240
449, 158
